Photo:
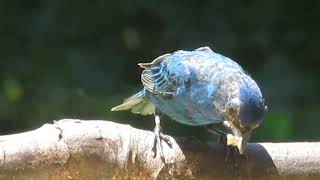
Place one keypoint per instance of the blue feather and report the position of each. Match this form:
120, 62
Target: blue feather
202, 87
198, 88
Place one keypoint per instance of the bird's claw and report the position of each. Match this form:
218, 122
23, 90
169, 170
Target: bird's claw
235, 161
158, 138
231, 154
232, 144
227, 139
166, 139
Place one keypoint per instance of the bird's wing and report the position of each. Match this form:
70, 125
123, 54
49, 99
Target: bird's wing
163, 75
155, 77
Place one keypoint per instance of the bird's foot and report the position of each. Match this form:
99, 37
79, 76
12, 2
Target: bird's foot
233, 145
231, 154
235, 162
222, 136
158, 138
157, 145
228, 139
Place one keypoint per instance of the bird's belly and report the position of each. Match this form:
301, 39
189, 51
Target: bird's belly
186, 111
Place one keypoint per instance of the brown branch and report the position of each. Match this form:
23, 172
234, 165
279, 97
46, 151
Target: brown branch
77, 149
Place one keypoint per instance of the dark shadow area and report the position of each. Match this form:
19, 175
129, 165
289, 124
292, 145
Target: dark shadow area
208, 161
260, 164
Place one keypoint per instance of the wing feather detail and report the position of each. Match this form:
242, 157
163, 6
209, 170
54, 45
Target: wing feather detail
154, 62
154, 77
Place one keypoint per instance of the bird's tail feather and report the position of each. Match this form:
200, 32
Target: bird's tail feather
137, 103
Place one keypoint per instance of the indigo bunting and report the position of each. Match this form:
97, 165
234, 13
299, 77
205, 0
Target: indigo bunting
199, 88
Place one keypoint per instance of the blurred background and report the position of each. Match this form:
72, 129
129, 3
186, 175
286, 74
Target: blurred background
77, 59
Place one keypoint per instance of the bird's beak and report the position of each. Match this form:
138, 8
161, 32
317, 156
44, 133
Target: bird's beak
242, 144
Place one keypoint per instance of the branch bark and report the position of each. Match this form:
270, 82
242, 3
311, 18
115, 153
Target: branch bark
78, 149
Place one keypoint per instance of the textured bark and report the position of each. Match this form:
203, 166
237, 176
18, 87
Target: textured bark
78, 149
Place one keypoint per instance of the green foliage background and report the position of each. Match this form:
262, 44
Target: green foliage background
77, 59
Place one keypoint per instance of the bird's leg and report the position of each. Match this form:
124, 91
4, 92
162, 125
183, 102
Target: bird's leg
229, 141
232, 153
222, 136
159, 136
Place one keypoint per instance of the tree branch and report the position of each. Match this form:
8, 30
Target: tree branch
78, 149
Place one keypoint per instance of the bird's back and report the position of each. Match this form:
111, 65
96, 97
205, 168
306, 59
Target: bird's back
188, 86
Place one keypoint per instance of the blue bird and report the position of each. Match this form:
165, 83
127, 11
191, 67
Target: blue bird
200, 88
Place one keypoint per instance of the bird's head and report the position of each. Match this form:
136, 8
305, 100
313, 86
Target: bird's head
249, 115
252, 112
252, 107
